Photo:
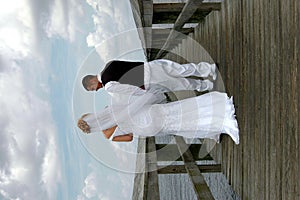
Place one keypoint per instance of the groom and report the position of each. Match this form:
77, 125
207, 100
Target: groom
163, 74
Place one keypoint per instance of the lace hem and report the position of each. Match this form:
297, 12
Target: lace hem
230, 125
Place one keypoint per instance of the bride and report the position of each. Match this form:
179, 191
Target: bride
204, 116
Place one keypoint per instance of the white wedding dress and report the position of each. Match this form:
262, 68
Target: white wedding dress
144, 113
205, 116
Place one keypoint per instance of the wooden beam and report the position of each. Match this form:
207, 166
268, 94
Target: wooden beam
136, 6
140, 178
166, 31
158, 43
159, 37
162, 40
152, 178
169, 152
169, 12
147, 12
188, 10
147, 16
170, 18
177, 7
180, 169
201, 189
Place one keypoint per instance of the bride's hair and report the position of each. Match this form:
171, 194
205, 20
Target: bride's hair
83, 125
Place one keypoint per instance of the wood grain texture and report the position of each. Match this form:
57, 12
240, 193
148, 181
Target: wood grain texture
256, 44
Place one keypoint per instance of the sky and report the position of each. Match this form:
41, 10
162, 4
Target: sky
45, 49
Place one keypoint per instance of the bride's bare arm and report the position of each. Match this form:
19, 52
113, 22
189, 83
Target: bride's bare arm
108, 132
123, 138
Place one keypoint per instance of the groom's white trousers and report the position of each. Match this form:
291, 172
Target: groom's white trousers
172, 76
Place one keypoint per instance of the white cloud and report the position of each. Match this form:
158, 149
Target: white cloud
64, 20
115, 35
24, 25
29, 20
109, 20
29, 163
112, 185
16, 30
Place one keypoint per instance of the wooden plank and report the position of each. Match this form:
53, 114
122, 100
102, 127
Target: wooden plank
180, 169
171, 17
201, 189
258, 121
161, 41
169, 152
188, 10
287, 104
244, 89
295, 72
164, 32
235, 60
152, 191
136, 6
266, 91
147, 16
140, 177
257, 48
177, 7
276, 88
263, 142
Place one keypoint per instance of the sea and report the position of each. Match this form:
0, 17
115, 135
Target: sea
179, 186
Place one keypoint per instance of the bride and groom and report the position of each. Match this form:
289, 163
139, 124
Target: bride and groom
138, 104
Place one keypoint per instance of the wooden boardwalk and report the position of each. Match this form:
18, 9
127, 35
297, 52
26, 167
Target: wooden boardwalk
256, 43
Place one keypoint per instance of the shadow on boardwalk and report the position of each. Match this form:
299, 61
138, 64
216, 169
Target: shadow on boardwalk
257, 45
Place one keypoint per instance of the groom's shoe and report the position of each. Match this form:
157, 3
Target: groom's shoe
205, 85
221, 137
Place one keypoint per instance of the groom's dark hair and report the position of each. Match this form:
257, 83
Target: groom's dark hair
86, 81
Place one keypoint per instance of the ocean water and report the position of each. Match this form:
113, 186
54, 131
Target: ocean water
179, 186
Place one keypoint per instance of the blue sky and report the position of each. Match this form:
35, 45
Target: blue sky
45, 48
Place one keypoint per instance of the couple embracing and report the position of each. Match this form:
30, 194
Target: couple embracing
139, 103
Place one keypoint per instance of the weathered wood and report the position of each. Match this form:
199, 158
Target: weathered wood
257, 45
180, 169
201, 189
188, 10
164, 32
177, 7
171, 17
169, 12
152, 191
147, 16
140, 178
169, 152
160, 41
136, 6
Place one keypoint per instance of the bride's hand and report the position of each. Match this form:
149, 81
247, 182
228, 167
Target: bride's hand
83, 126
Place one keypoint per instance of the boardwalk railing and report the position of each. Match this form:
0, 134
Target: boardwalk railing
156, 43
146, 13
146, 183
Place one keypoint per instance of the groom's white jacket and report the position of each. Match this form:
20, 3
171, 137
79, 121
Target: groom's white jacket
128, 99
